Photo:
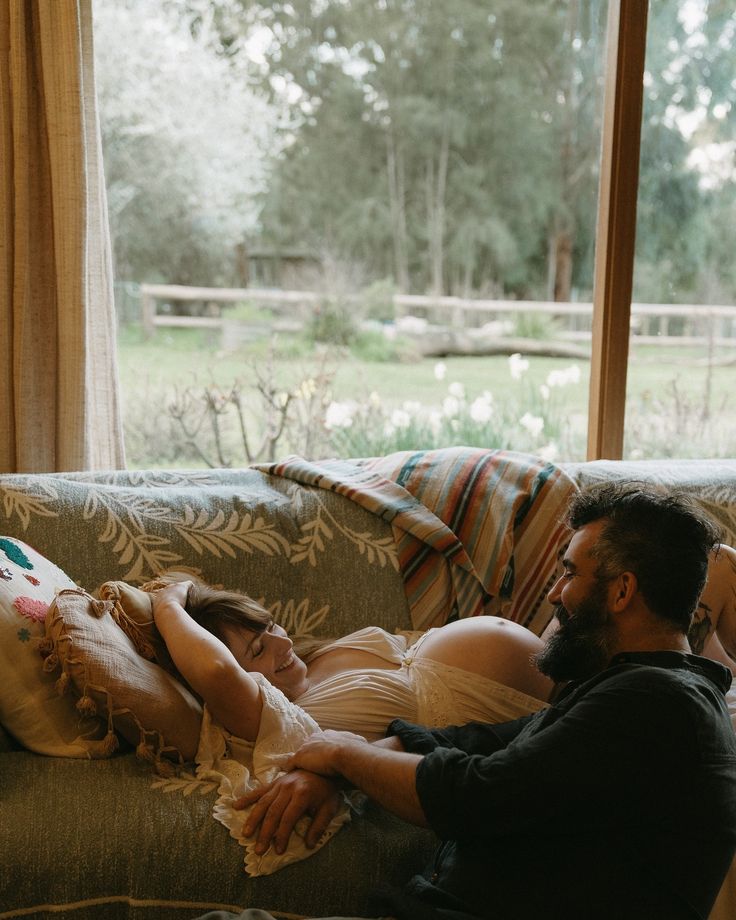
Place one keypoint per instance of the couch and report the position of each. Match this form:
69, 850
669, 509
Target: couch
109, 838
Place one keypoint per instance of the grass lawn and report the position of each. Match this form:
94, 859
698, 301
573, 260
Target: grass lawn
669, 390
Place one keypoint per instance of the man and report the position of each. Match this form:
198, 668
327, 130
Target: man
619, 801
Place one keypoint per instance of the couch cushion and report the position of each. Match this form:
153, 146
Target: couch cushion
30, 706
97, 841
712, 483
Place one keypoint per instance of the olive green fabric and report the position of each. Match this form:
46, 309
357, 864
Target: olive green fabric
74, 830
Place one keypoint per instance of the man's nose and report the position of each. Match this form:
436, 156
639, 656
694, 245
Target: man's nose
554, 593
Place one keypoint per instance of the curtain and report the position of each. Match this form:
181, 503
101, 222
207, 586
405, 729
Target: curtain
59, 401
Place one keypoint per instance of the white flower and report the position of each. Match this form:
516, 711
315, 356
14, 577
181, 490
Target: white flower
544, 391
564, 377
457, 390
413, 407
339, 415
306, 388
481, 409
283, 398
435, 422
518, 366
450, 406
548, 452
400, 418
534, 424
374, 400
440, 369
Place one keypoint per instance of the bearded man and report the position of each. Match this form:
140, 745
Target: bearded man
617, 801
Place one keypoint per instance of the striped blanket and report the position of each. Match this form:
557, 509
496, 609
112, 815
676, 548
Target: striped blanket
477, 531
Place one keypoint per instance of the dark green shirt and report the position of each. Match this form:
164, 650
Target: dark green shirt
619, 801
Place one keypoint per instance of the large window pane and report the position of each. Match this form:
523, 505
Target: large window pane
395, 200
683, 343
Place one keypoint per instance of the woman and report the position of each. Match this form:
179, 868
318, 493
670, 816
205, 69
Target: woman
263, 700
475, 669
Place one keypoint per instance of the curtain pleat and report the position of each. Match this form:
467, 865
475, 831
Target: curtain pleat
59, 401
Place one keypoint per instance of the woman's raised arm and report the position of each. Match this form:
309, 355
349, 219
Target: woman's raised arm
207, 664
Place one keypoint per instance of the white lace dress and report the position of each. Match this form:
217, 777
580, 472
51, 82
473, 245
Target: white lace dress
416, 689
362, 701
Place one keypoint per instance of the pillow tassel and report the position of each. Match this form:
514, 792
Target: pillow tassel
51, 663
100, 607
109, 744
144, 751
133, 631
62, 684
45, 646
86, 706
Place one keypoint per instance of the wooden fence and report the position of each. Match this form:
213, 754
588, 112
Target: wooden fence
696, 324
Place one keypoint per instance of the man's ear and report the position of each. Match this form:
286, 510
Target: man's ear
622, 590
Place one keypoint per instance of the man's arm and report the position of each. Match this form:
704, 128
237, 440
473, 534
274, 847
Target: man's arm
278, 806
384, 773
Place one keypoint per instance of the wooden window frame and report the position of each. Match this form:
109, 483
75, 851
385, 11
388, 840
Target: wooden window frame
616, 232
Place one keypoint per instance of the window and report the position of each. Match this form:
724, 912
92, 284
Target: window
680, 399
405, 190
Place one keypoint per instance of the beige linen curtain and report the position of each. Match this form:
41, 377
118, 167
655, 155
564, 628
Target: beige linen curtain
59, 404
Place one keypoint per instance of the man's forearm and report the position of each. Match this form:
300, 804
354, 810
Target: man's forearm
385, 773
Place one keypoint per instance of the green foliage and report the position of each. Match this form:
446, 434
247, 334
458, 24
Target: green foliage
374, 345
448, 147
332, 323
377, 301
539, 326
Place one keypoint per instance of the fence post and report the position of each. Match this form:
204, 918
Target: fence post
148, 312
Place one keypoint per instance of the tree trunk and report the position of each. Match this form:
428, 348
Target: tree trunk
397, 201
436, 194
563, 243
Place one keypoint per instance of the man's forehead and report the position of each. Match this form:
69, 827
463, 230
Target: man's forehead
583, 540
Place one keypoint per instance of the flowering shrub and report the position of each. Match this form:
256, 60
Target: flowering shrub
522, 418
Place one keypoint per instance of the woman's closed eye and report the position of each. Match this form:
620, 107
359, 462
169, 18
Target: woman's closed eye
257, 646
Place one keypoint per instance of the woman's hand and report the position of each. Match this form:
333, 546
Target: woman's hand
175, 593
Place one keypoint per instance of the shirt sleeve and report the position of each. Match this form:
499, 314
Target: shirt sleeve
554, 769
475, 737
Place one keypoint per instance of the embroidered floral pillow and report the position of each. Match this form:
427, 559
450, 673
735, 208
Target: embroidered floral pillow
31, 709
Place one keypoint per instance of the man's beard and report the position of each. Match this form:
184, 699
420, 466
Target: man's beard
581, 646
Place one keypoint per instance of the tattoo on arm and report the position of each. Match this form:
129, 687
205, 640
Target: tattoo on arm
701, 628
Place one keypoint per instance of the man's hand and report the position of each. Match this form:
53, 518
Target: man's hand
279, 805
320, 753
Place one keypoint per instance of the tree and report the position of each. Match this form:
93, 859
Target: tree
186, 143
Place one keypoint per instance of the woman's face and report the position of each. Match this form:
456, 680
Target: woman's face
269, 653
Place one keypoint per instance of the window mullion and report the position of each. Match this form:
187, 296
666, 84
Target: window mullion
614, 257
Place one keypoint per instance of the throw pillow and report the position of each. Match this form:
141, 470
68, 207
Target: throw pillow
30, 707
111, 679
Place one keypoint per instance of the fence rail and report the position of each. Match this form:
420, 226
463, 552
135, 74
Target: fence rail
699, 323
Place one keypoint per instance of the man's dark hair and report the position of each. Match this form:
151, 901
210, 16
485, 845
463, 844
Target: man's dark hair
663, 537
